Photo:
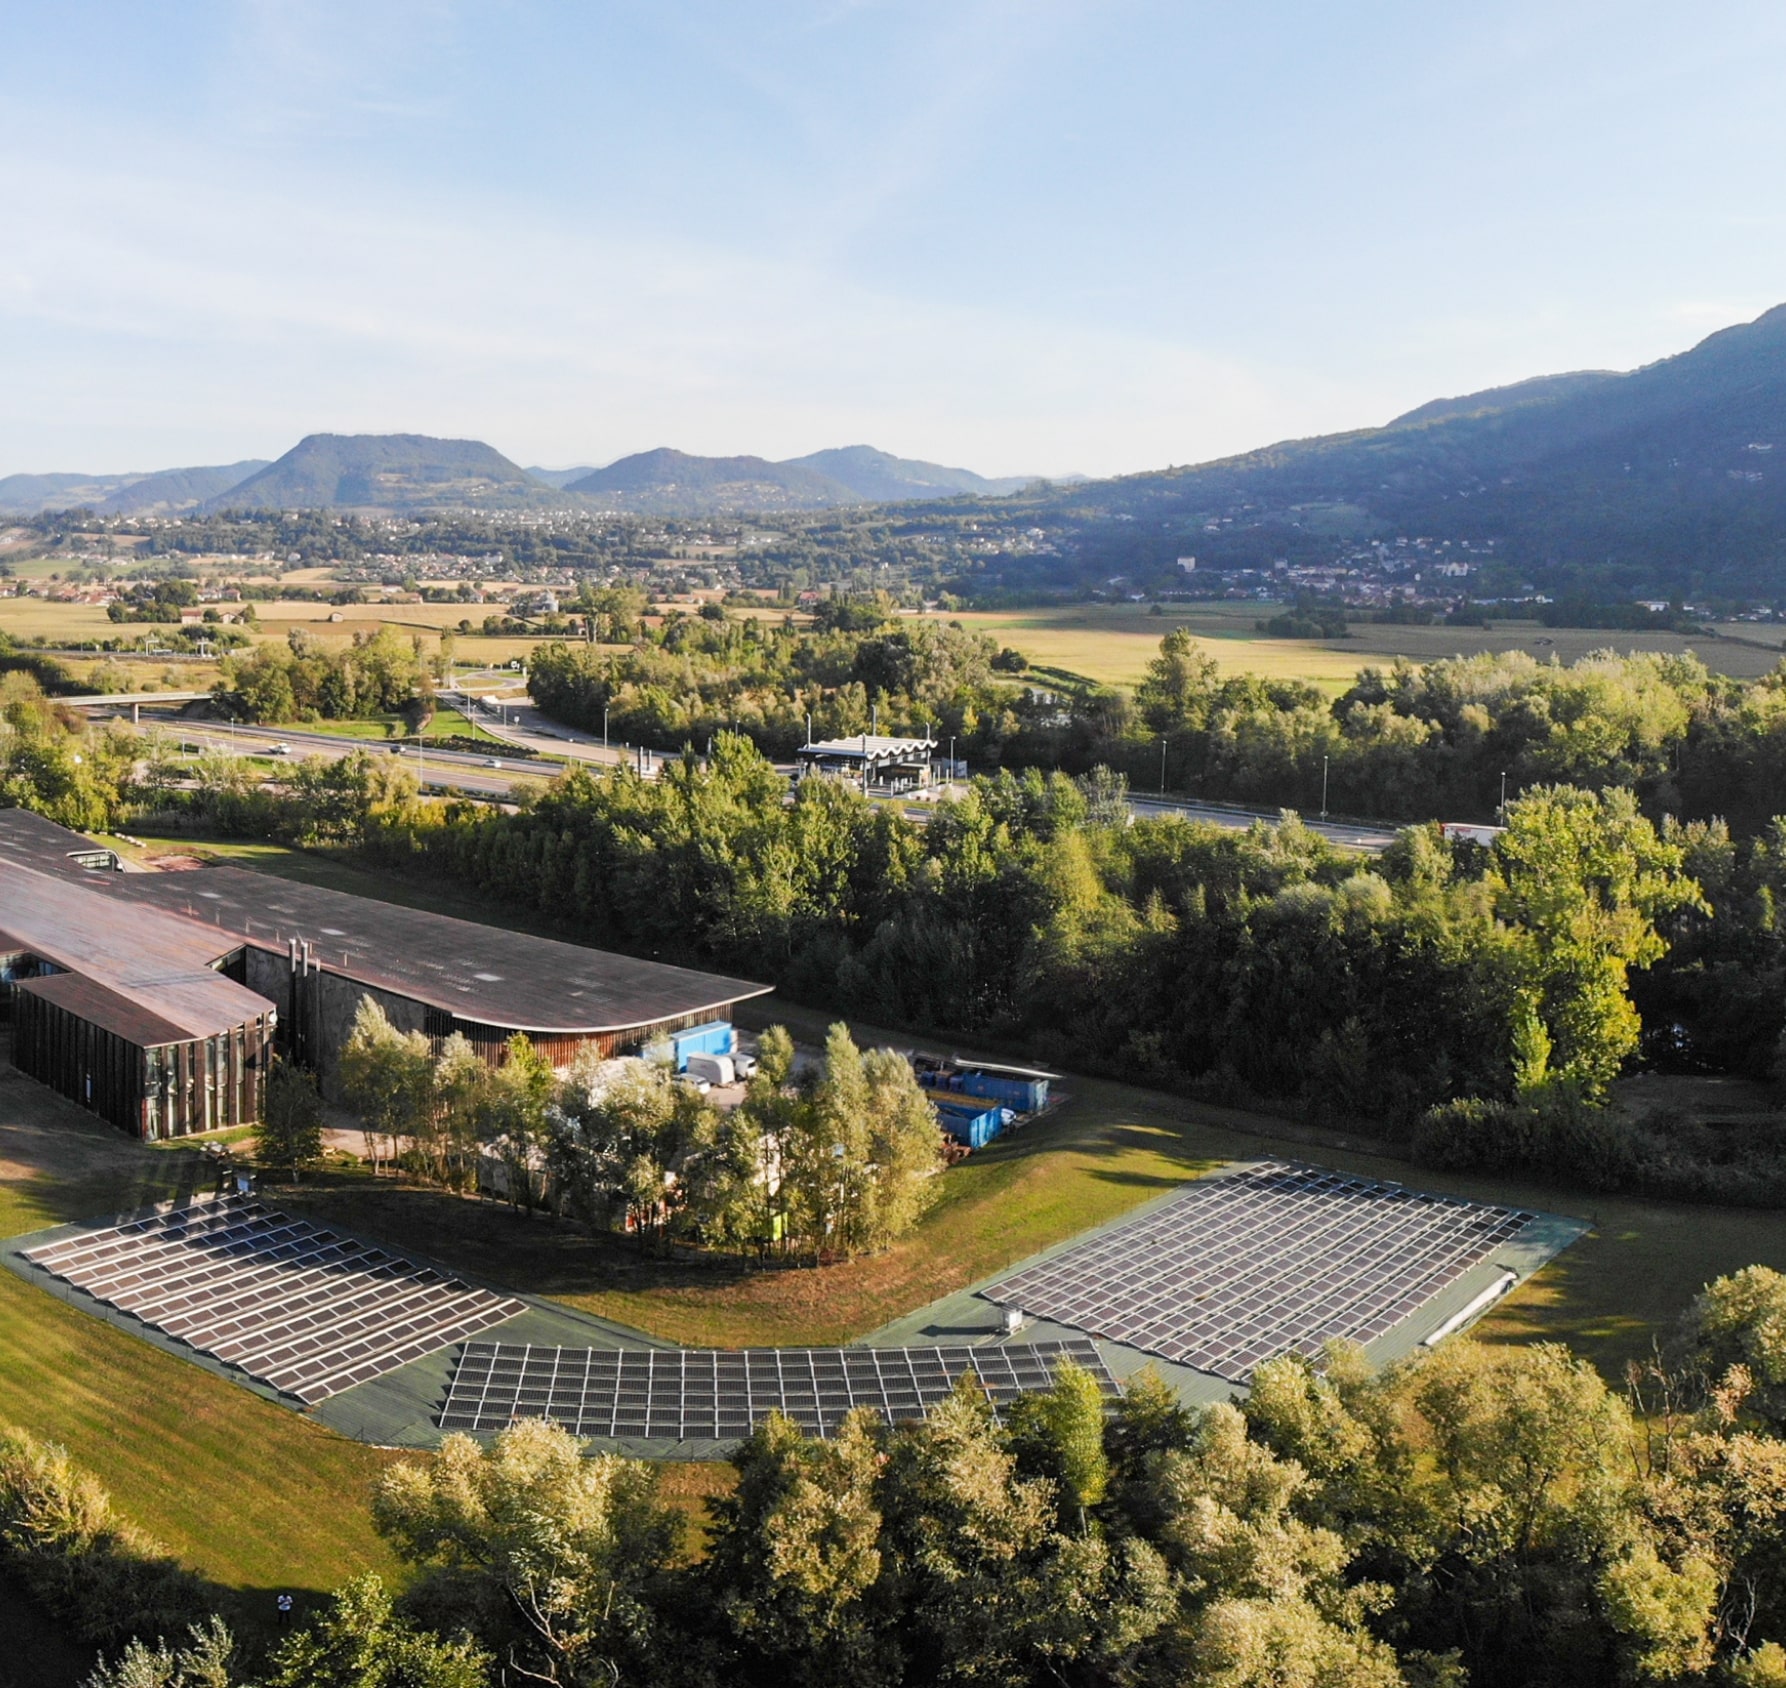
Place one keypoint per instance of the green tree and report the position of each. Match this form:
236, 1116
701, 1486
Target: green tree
1583, 879
1060, 1434
290, 1136
904, 1144
794, 1559
1740, 1320
558, 1552
1179, 685
387, 1079
204, 1662
360, 1642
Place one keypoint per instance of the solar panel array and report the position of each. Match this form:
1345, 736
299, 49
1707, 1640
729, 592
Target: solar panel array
712, 1395
1275, 1259
303, 1309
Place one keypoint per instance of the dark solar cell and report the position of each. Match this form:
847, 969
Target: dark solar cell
1275, 1259
704, 1394
302, 1309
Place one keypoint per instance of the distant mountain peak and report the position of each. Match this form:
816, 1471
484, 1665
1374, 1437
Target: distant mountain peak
387, 471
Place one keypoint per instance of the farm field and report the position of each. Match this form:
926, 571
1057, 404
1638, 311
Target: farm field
1108, 643
37, 618
33, 619
1113, 643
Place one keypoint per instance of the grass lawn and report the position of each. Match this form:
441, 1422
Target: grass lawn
252, 1495
259, 1498
444, 724
1108, 1148
255, 1497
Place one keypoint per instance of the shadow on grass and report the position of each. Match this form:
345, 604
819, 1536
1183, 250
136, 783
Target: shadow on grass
36, 1646
535, 1254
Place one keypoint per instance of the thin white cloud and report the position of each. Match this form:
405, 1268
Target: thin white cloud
283, 312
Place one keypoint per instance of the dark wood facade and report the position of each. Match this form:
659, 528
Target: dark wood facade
112, 1059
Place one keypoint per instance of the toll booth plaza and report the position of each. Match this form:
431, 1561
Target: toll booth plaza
872, 762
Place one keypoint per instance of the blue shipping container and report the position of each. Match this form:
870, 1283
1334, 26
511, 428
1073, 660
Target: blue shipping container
1026, 1095
714, 1038
974, 1127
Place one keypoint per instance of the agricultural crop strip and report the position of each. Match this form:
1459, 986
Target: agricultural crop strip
305, 1310
1277, 1258
717, 1395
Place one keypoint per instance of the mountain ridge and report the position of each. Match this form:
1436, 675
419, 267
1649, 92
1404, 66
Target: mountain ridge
407, 472
1669, 478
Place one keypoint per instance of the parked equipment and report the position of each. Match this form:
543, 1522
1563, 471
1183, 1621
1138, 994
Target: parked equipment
715, 1069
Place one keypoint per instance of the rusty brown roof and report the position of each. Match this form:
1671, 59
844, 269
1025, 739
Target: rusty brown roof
488, 974
157, 961
476, 972
89, 1000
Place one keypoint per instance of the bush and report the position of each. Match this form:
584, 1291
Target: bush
1560, 1133
61, 1539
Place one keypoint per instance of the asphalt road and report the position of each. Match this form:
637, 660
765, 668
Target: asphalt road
522, 724
1351, 835
439, 770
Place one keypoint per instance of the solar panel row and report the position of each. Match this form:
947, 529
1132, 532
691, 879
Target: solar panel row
712, 1395
1277, 1258
305, 1310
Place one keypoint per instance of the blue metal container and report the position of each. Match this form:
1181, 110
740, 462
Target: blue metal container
714, 1038
974, 1126
1027, 1096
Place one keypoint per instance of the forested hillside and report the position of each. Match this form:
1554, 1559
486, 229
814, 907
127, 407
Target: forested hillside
1668, 480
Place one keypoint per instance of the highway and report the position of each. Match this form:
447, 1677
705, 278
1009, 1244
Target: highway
1350, 835
438, 770
521, 724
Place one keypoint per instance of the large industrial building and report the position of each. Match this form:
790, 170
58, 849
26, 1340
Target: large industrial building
152, 998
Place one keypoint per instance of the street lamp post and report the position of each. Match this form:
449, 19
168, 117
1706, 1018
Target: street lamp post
1323, 788
604, 726
1162, 767
1503, 813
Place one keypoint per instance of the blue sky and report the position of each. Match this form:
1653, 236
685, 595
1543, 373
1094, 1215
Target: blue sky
1026, 237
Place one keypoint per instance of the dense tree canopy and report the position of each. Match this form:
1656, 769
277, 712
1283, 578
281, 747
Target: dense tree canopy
1495, 1517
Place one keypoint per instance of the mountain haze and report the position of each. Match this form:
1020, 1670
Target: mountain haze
560, 477
667, 482
169, 491
411, 472
164, 491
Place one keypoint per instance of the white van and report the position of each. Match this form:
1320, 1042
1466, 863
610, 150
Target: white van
715, 1069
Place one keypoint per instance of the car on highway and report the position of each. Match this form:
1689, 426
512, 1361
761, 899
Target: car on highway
279, 750
492, 761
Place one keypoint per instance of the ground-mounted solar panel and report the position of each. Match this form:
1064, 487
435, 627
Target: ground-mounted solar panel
1277, 1258
300, 1308
705, 1394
